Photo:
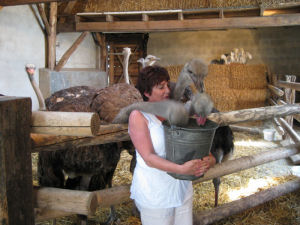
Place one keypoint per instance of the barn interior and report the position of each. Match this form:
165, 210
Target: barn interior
80, 42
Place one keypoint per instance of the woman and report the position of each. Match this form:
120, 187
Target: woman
160, 198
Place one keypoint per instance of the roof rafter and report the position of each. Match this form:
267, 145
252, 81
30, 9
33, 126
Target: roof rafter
24, 2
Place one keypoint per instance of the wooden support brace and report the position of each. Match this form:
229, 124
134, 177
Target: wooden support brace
145, 17
229, 209
65, 123
294, 136
70, 51
180, 16
44, 18
275, 90
109, 18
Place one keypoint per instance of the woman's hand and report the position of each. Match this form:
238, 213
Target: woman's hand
198, 167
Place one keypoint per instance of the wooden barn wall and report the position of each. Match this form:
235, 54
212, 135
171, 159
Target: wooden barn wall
277, 48
21, 41
85, 55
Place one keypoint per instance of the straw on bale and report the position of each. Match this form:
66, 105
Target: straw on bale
218, 77
247, 76
233, 86
174, 71
133, 5
224, 99
250, 98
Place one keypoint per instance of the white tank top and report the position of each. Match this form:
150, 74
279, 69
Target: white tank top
154, 188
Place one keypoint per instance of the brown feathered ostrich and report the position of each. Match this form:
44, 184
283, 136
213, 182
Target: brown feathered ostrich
91, 167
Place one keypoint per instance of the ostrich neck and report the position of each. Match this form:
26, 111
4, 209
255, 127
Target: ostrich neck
183, 81
126, 75
38, 93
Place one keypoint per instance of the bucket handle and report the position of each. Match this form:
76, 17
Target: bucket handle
173, 130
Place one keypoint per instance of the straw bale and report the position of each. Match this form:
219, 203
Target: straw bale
217, 78
174, 72
247, 76
133, 5
224, 100
250, 98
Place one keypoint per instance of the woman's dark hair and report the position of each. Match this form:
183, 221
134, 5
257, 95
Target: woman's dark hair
149, 77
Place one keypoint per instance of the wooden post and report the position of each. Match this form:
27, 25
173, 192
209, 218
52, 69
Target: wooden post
52, 36
103, 53
70, 51
111, 65
16, 204
289, 98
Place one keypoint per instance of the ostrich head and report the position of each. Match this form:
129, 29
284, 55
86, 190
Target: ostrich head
150, 60
30, 69
201, 106
197, 70
193, 72
126, 52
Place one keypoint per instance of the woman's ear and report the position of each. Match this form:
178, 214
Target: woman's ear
146, 94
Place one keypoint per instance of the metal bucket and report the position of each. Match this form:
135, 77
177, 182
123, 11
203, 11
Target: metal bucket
187, 143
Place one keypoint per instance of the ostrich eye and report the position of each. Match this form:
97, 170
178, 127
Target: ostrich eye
189, 71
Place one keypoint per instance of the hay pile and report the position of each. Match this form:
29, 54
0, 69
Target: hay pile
281, 211
133, 5
234, 86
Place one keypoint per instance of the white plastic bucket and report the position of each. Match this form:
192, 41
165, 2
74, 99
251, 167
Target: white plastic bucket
269, 134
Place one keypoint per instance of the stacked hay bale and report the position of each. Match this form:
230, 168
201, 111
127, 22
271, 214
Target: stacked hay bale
234, 86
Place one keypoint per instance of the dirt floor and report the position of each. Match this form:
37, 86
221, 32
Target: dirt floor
284, 210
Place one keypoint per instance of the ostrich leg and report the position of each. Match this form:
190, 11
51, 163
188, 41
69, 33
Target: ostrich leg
218, 154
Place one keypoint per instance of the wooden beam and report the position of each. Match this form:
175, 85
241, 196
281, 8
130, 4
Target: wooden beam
52, 36
275, 90
69, 52
65, 123
238, 206
24, 2
246, 115
246, 162
44, 18
190, 24
291, 85
67, 10
84, 141
16, 196
70, 201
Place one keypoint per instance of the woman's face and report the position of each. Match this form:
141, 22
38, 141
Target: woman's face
160, 92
